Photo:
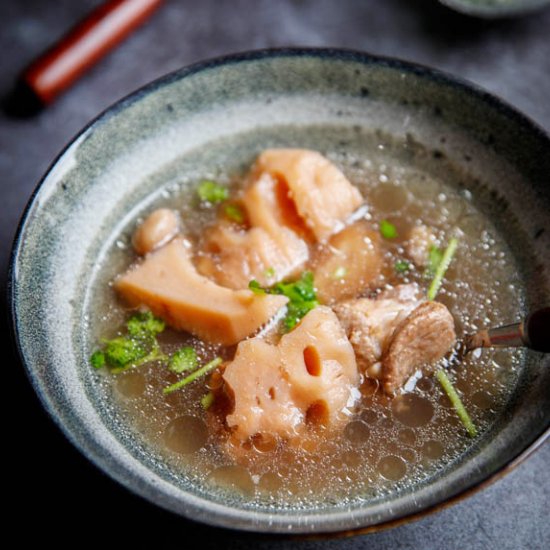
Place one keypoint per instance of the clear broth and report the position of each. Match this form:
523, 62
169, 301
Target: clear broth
389, 444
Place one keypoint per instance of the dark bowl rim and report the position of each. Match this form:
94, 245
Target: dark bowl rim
342, 54
488, 11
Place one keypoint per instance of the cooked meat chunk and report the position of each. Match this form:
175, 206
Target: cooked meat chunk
322, 195
421, 238
396, 333
349, 263
425, 336
308, 378
169, 285
156, 230
370, 323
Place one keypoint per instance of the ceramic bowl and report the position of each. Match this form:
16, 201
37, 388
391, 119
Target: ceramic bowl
495, 9
222, 112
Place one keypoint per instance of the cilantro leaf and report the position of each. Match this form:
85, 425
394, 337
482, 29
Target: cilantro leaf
255, 287
210, 191
388, 230
144, 325
121, 351
234, 213
301, 295
183, 359
402, 266
97, 359
137, 347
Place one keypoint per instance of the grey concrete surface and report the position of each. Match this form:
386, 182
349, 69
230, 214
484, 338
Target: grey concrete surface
56, 492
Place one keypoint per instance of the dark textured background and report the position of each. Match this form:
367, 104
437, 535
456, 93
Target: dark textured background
51, 489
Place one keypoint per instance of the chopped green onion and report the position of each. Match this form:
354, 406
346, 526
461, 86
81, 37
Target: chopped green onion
270, 272
435, 255
207, 400
234, 213
193, 376
401, 266
340, 272
388, 230
456, 402
183, 359
442, 268
210, 191
256, 287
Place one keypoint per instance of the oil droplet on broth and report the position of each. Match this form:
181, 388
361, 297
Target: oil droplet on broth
388, 198
407, 436
234, 478
424, 383
357, 432
392, 467
412, 410
185, 434
270, 482
482, 400
131, 384
433, 449
369, 416
408, 455
351, 458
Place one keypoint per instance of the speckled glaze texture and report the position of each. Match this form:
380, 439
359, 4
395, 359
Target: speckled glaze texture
112, 168
493, 9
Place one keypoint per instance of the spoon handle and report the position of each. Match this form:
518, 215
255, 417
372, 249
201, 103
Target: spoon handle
533, 332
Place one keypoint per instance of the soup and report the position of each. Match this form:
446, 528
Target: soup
391, 437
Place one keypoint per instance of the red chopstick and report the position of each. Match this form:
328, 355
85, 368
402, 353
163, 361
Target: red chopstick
83, 46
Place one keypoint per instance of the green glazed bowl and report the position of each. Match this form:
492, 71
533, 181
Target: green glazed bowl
222, 113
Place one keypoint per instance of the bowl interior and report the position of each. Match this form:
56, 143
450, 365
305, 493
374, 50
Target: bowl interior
221, 114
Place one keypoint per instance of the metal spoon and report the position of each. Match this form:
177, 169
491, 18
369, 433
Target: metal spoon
533, 332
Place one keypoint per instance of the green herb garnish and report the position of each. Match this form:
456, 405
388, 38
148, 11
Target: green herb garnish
270, 272
234, 213
207, 400
402, 266
97, 359
447, 385
144, 325
435, 255
137, 347
301, 295
210, 191
193, 376
256, 287
302, 298
388, 230
183, 359
442, 268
